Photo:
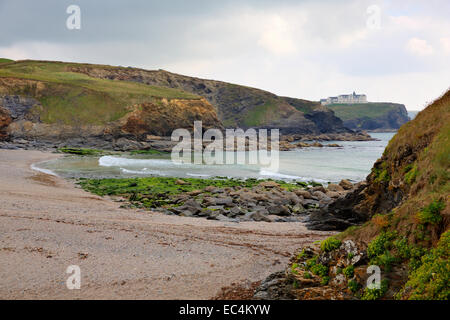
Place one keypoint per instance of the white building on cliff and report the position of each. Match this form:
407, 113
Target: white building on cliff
345, 98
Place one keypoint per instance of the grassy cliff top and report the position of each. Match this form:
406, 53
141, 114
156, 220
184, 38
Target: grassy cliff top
68, 97
363, 110
4, 60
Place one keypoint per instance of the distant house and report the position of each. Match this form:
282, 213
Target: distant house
345, 98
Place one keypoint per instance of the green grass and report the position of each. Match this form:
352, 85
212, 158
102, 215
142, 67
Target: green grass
4, 60
260, 115
75, 98
361, 110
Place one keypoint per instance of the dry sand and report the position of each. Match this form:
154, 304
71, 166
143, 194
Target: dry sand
47, 224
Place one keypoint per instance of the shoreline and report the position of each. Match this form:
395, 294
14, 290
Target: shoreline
47, 224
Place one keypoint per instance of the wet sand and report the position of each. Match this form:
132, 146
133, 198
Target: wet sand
48, 223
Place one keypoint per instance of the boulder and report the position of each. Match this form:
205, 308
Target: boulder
269, 184
333, 194
335, 187
279, 210
256, 216
347, 185
303, 193
228, 201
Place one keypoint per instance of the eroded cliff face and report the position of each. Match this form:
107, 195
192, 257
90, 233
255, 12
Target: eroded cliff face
236, 106
20, 119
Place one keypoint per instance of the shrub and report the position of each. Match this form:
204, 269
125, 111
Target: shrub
330, 244
431, 213
354, 286
430, 280
325, 280
319, 270
380, 244
294, 268
374, 294
386, 260
307, 275
349, 271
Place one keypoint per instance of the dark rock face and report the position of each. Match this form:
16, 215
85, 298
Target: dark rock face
19, 107
393, 119
341, 213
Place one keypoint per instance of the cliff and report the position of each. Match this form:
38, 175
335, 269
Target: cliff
372, 116
399, 221
236, 106
44, 101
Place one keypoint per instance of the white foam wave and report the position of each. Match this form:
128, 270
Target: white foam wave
145, 171
264, 172
46, 171
110, 161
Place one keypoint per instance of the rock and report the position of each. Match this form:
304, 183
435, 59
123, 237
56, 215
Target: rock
256, 216
228, 201
298, 208
339, 280
333, 194
335, 187
318, 188
303, 193
194, 193
293, 198
319, 195
274, 218
347, 185
181, 182
269, 184
237, 211
209, 201
274, 287
186, 213
209, 189
278, 210
310, 203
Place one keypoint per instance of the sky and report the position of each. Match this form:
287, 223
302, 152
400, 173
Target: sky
395, 51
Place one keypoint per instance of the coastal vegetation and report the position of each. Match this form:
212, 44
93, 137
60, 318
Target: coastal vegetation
406, 233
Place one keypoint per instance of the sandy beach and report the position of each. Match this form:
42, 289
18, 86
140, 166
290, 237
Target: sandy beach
48, 223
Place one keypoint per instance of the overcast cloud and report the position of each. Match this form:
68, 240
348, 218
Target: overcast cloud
303, 49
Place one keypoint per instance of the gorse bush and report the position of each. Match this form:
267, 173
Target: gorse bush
431, 213
380, 244
330, 244
431, 279
349, 271
374, 294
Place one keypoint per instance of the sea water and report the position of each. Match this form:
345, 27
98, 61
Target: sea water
352, 161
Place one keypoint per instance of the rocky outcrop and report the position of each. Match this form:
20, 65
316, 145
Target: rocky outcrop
237, 106
372, 116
